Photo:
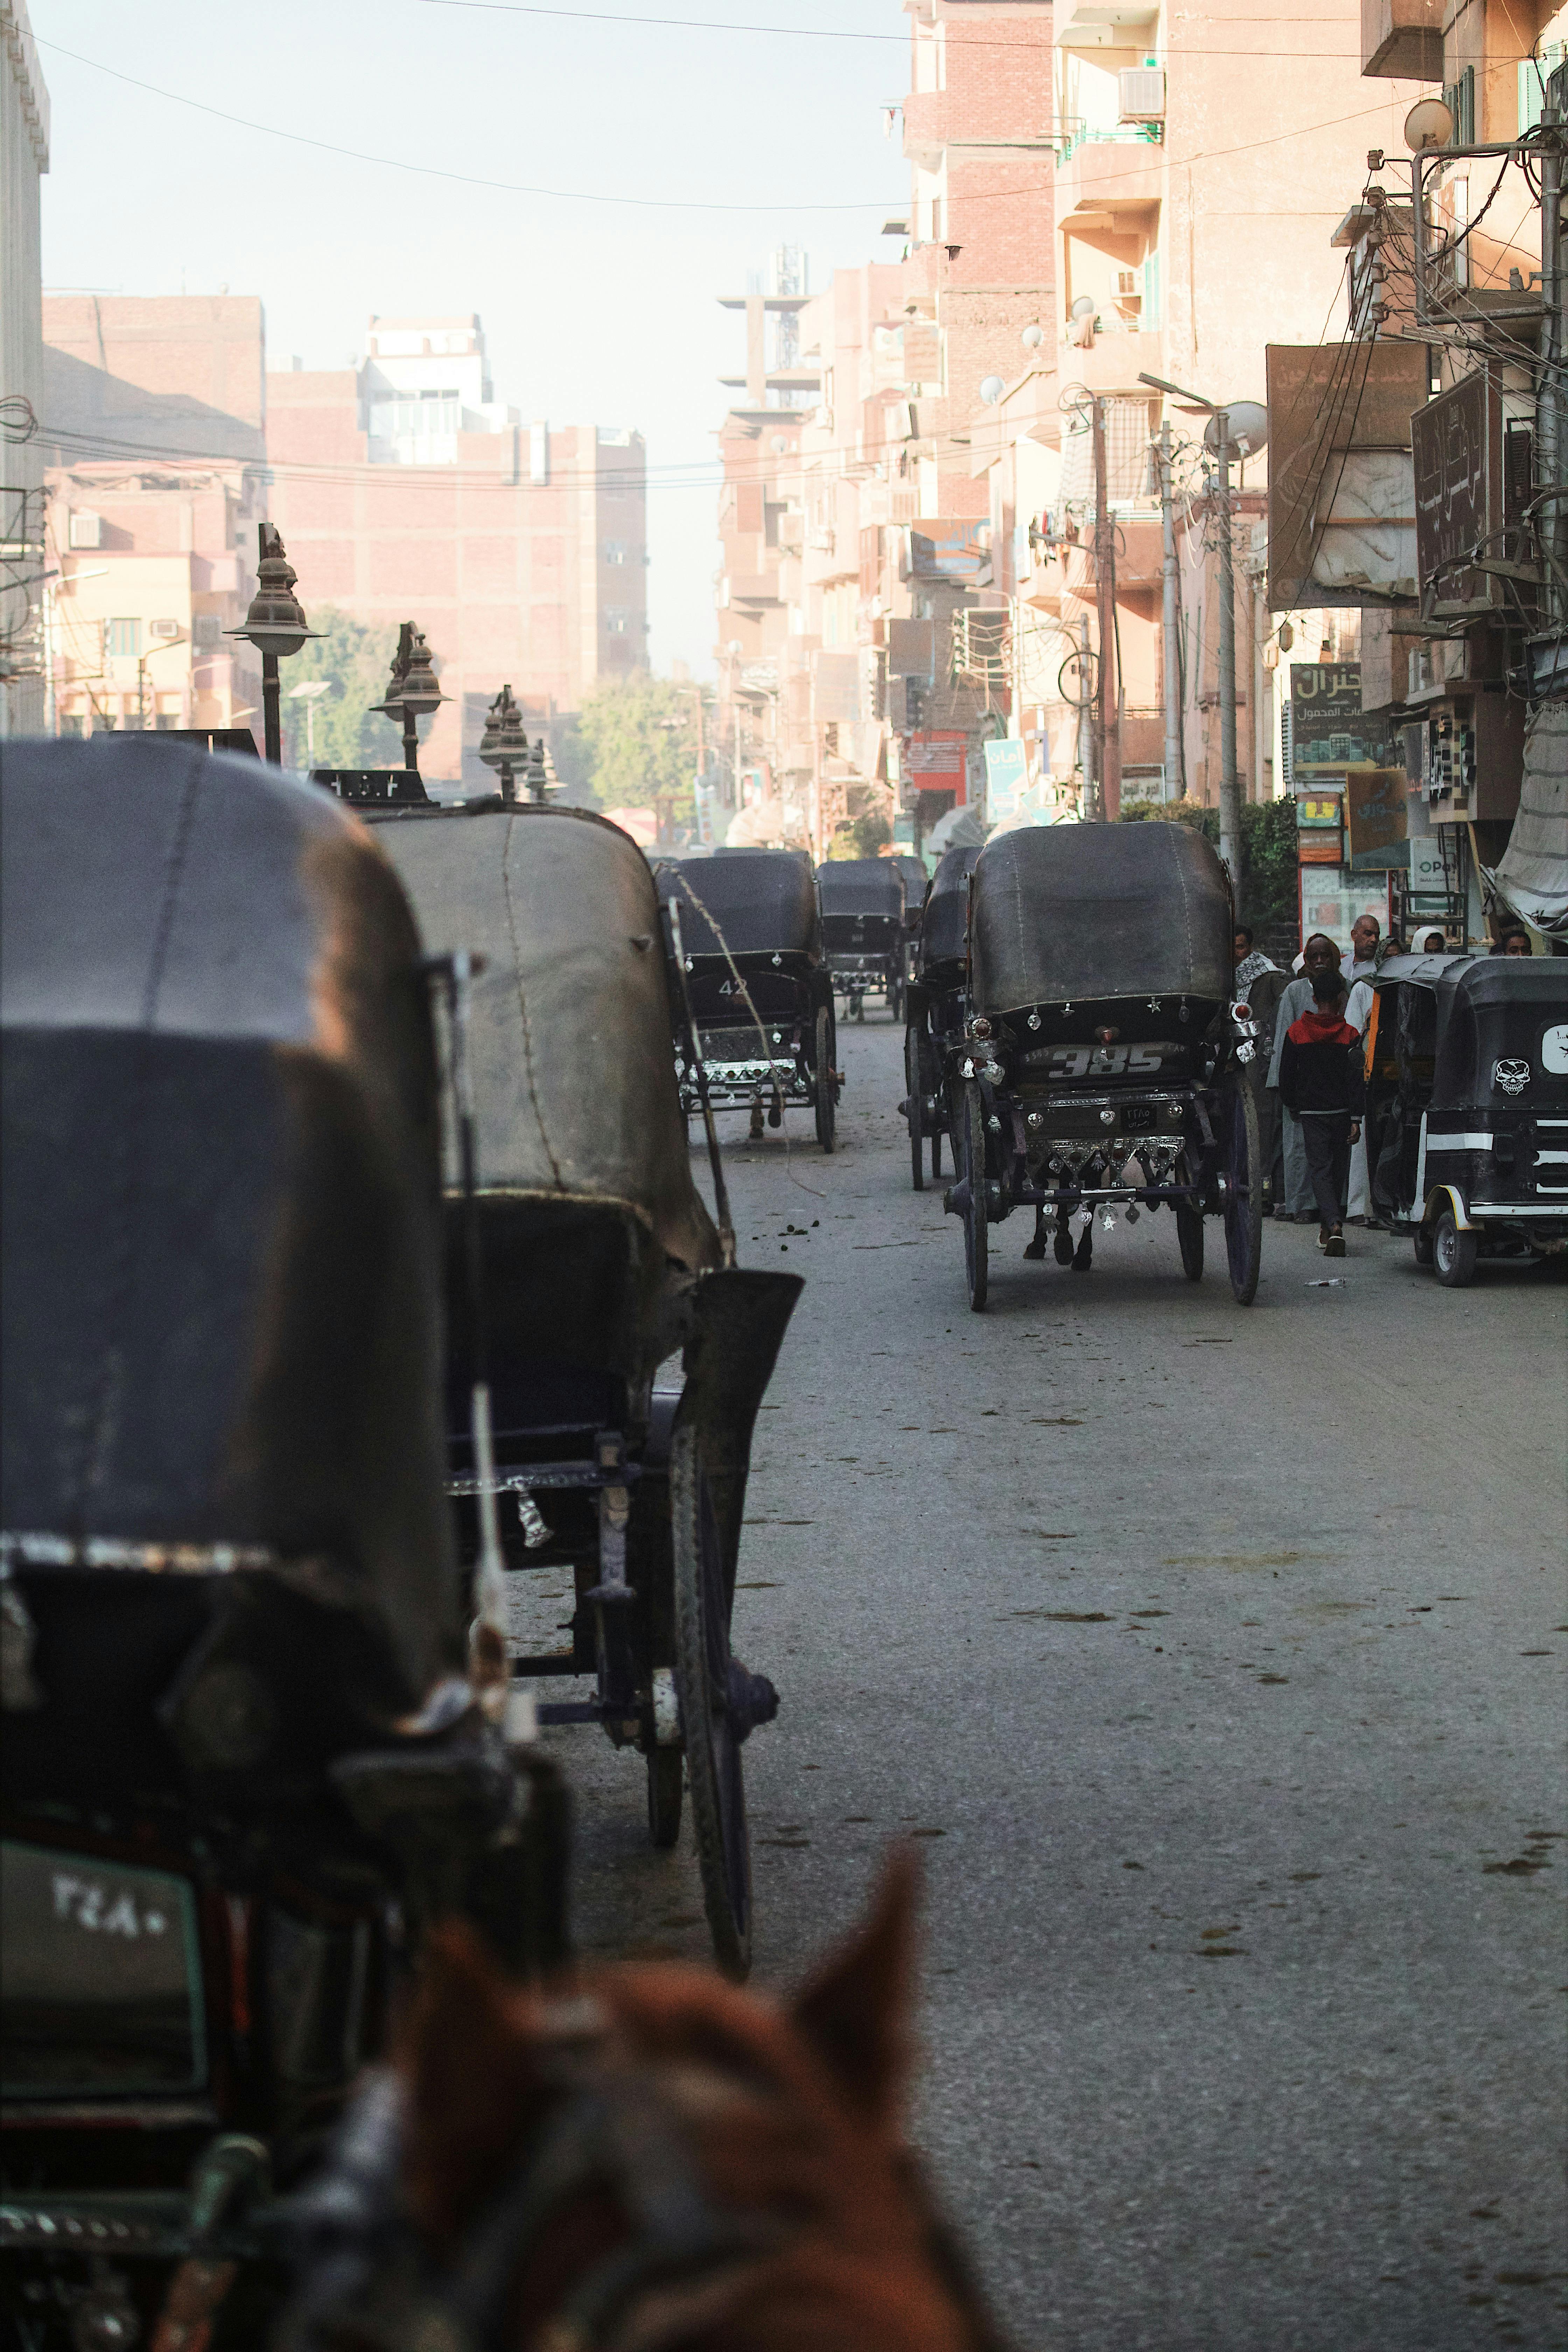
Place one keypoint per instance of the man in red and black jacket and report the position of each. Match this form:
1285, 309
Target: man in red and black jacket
1321, 1081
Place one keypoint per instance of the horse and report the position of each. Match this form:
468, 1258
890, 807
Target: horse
645, 2159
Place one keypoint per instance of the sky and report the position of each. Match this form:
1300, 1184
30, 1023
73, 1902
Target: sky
594, 312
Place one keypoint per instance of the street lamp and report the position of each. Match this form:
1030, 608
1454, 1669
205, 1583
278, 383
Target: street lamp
504, 745
1235, 431
412, 692
308, 693
162, 646
275, 626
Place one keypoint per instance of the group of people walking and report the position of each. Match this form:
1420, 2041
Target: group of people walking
1310, 1092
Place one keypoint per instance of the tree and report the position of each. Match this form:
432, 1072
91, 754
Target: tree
355, 658
1268, 887
641, 743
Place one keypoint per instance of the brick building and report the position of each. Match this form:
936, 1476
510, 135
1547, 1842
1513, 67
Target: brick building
406, 491
155, 412
854, 527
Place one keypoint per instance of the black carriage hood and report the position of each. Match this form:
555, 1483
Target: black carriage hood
222, 1273
1493, 1009
1065, 912
763, 902
861, 885
572, 1047
944, 930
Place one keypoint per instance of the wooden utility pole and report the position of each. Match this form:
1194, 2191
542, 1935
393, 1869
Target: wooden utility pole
1108, 725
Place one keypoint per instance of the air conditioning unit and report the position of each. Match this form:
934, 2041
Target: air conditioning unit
1142, 93
86, 528
163, 628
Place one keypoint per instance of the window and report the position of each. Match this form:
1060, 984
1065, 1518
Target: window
416, 416
86, 528
122, 640
616, 620
1533, 75
615, 550
1460, 100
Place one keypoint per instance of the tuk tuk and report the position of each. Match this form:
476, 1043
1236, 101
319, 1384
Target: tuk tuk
917, 882
750, 945
864, 911
1467, 1061
243, 1761
623, 1352
1101, 1059
934, 1008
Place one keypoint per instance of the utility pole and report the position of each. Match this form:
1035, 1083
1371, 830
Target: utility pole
1230, 782
1170, 622
1551, 443
1109, 794
1087, 731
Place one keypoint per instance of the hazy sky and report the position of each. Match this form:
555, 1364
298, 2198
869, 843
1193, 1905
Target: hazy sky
593, 312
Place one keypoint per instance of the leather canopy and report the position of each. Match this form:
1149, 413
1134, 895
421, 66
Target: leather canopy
763, 902
1062, 913
944, 926
861, 885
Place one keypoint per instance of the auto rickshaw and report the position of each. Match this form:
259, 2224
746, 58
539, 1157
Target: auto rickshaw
245, 1761
934, 1009
1467, 1110
864, 911
1102, 1057
749, 947
623, 1351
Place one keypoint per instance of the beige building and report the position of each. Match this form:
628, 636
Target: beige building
24, 158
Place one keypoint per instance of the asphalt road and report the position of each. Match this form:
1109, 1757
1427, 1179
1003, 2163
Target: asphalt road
1216, 1658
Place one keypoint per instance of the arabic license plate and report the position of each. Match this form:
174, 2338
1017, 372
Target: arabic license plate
100, 1979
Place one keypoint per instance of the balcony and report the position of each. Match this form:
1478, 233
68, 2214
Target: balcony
1402, 40
1115, 362
1104, 176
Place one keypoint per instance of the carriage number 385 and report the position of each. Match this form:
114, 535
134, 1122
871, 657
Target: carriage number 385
1103, 1061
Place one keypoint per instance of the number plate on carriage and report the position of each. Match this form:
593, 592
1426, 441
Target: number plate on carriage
100, 1979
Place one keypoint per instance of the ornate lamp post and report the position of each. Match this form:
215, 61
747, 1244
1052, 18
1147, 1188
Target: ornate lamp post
412, 693
504, 746
275, 626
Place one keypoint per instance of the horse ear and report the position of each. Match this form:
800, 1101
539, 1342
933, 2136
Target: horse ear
467, 2067
854, 2010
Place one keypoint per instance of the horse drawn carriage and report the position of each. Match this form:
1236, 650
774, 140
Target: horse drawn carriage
624, 1353
747, 937
865, 913
1102, 1057
244, 1760
934, 1009
1466, 1107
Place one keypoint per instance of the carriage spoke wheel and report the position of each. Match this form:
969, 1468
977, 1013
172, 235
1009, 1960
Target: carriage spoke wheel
702, 1682
1243, 1226
975, 1243
824, 1079
914, 1077
1190, 1226
664, 1778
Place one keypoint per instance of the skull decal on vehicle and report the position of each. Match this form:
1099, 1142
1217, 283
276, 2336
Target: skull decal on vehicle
1511, 1078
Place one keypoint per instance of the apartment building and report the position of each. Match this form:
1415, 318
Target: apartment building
1199, 164
156, 443
24, 158
405, 490
854, 528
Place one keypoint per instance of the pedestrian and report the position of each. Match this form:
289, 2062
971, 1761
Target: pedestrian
1318, 955
1321, 1081
1431, 943
1514, 941
1365, 933
1260, 982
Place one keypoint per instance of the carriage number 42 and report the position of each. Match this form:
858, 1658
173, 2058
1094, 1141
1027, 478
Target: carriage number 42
1103, 1061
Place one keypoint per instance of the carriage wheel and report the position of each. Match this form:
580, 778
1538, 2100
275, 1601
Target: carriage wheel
824, 1090
1190, 1233
936, 1153
976, 1246
1243, 1225
701, 1668
913, 1076
664, 1766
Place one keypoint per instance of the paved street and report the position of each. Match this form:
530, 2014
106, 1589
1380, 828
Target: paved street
1216, 1658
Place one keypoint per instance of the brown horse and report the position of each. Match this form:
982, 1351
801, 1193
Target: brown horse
655, 2162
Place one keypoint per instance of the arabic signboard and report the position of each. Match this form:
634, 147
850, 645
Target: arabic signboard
1377, 813
1007, 778
1327, 726
1319, 826
938, 763
1457, 446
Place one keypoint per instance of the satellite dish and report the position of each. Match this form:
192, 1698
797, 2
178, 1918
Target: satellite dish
991, 390
1248, 431
1032, 337
1428, 124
